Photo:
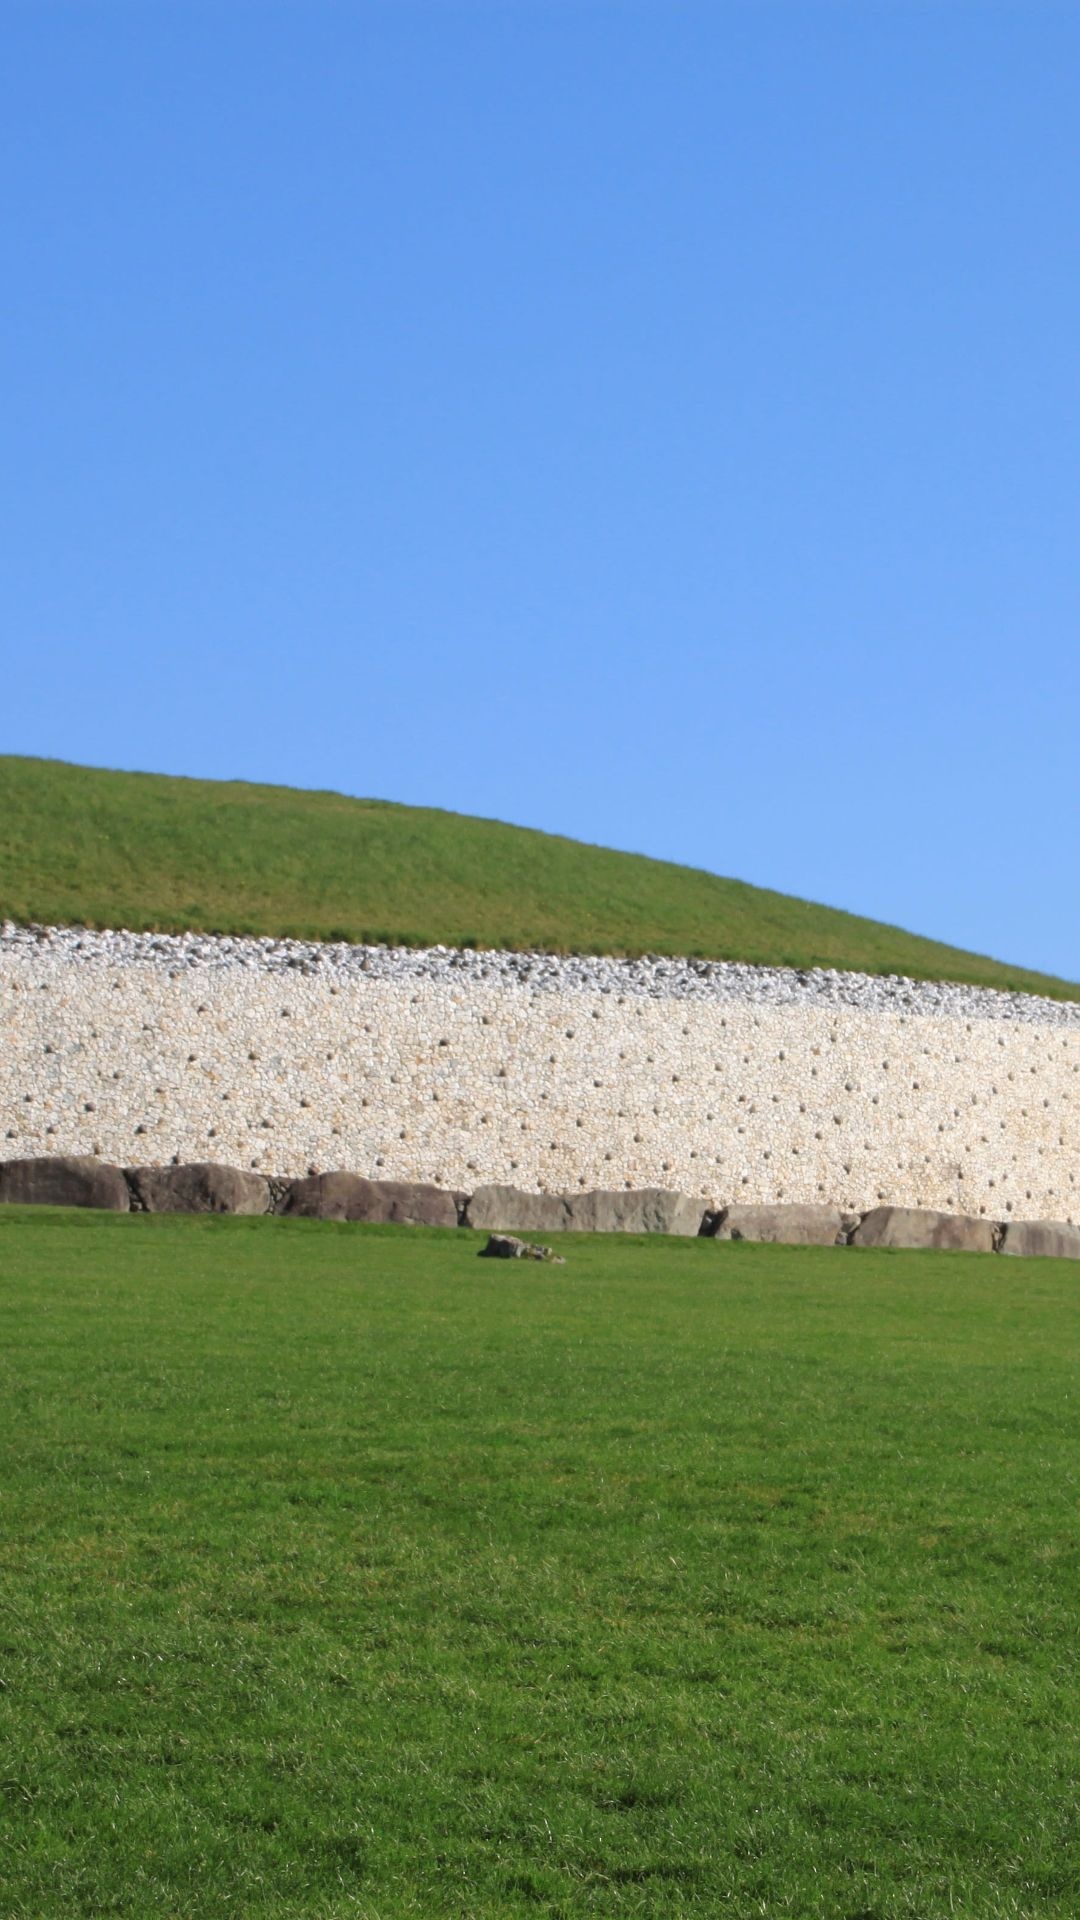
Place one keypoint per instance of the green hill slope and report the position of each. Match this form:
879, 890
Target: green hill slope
79, 845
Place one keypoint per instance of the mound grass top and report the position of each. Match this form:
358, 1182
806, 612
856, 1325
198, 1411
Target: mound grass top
85, 846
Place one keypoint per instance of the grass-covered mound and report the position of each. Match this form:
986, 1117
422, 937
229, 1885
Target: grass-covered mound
347, 1574
83, 846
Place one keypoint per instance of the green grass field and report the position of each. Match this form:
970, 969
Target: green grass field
346, 1574
83, 846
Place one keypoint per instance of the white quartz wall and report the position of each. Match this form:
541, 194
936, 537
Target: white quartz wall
462, 1082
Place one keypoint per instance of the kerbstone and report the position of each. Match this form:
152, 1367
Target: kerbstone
793, 1226
633, 1210
1053, 1239
348, 1196
636, 1210
494, 1207
70, 1181
201, 1187
923, 1227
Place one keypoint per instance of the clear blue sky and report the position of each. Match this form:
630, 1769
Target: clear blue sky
655, 422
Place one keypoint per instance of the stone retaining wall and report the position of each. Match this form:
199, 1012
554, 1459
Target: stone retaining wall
463, 1082
208, 1187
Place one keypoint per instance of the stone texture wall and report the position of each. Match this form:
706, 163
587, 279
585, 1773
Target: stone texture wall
462, 1084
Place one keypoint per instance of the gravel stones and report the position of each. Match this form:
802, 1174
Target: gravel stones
734, 1086
650, 977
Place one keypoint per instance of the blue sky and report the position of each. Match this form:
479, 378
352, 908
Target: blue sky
654, 422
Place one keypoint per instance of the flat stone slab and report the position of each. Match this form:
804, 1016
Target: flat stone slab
1050, 1239
636, 1210
64, 1182
633, 1210
497, 1207
922, 1227
348, 1196
200, 1187
792, 1225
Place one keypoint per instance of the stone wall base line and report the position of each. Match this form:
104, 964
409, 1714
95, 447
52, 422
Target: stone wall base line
207, 1187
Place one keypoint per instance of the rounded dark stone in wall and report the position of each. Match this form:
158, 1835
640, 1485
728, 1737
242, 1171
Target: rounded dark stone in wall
348, 1196
63, 1182
201, 1187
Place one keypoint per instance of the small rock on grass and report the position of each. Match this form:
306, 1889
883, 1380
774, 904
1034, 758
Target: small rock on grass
506, 1246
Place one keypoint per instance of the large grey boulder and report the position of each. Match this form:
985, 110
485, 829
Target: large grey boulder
921, 1227
495, 1207
790, 1225
636, 1210
63, 1182
348, 1196
1054, 1239
640, 1210
201, 1187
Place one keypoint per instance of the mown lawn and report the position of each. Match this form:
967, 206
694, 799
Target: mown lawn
84, 845
344, 1573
